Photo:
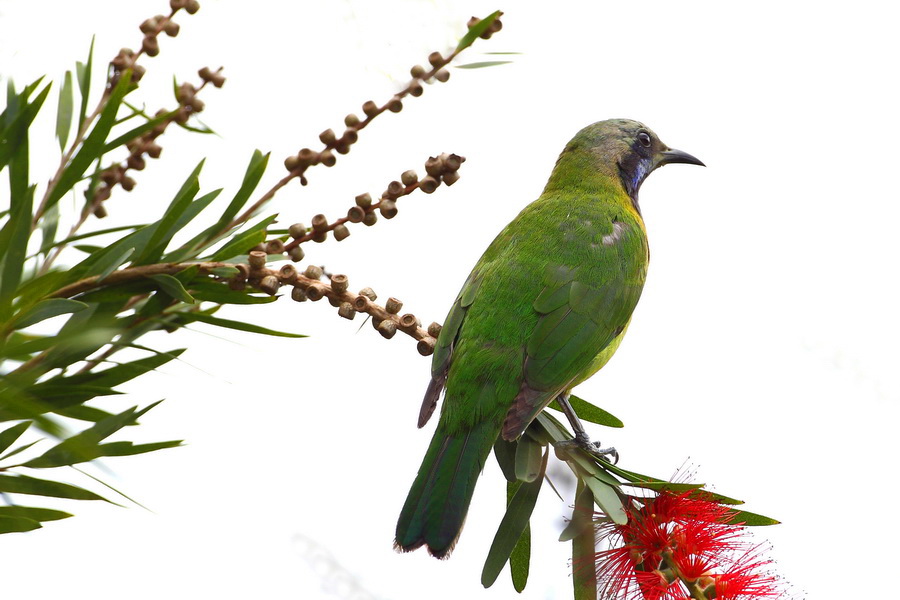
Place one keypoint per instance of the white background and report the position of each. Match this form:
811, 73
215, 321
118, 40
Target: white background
763, 351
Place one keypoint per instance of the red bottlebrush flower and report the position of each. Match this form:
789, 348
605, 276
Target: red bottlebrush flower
679, 547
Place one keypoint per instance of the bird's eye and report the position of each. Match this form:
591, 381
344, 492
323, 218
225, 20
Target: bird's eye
644, 138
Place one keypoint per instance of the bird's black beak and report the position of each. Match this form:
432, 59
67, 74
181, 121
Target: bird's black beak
676, 156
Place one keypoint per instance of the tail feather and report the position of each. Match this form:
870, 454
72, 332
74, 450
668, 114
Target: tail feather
436, 507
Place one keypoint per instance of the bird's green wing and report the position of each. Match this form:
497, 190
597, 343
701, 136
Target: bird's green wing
443, 348
582, 310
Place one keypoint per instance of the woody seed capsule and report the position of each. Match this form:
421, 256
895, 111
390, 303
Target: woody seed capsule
434, 166
320, 236
370, 108
417, 71
361, 303
149, 25
364, 200
351, 120
296, 254
291, 162
319, 223
192, 6
315, 292
339, 283
408, 321
257, 259
341, 232
288, 273
328, 158
426, 346
327, 136
313, 272
237, 284
298, 295
274, 247
150, 46
435, 59
395, 188
409, 177
356, 214
346, 310
393, 306
416, 89
368, 293
370, 219
451, 177
388, 209
395, 105
350, 136
434, 329
428, 184
171, 28
334, 302
269, 284
297, 230
243, 271
387, 328
442, 75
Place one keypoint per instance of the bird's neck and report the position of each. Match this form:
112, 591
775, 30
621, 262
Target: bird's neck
586, 171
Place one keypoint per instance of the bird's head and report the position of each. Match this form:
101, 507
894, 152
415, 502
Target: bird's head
629, 149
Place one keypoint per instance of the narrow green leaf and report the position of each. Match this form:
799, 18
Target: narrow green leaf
588, 412
584, 553
528, 459
92, 147
605, 495
520, 559
64, 111
9, 436
244, 241
190, 251
224, 271
228, 296
18, 121
505, 452
483, 64
30, 512
511, 526
49, 224
167, 226
130, 448
476, 30
110, 262
13, 243
90, 234
751, 519
17, 524
83, 71
188, 317
120, 373
46, 309
21, 448
22, 484
173, 287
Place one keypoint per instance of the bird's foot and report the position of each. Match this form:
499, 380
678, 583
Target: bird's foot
582, 442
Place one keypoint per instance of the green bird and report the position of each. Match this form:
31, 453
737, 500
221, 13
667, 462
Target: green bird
544, 308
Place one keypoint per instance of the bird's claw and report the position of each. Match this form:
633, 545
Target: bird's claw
582, 442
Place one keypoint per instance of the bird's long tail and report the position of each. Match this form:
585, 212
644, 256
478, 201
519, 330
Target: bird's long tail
438, 501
